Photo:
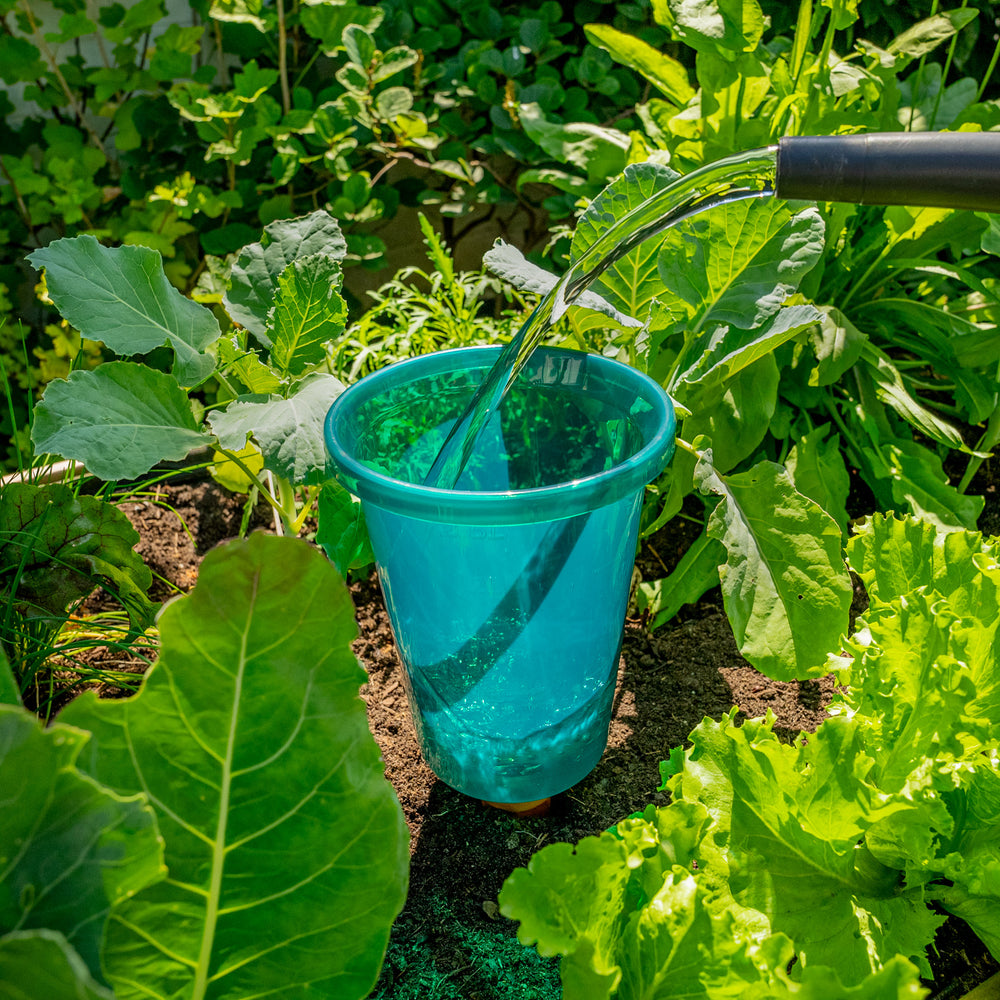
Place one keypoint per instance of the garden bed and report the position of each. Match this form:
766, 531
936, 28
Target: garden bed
450, 941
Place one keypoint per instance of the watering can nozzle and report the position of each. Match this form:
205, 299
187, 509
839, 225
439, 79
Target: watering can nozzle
936, 169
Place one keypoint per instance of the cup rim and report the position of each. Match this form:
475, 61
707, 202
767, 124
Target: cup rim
541, 503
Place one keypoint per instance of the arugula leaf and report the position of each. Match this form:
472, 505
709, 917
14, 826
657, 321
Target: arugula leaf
121, 297
119, 420
786, 589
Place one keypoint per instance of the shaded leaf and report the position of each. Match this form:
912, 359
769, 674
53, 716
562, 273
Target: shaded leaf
817, 470
57, 546
119, 420
696, 573
286, 846
663, 71
70, 850
43, 963
341, 532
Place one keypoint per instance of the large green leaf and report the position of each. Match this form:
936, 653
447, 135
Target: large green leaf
789, 819
785, 586
253, 282
663, 71
119, 419
289, 432
629, 284
598, 151
697, 572
57, 546
286, 847
70, 850
43, 964
818, 471
308, 313
122, 298
738, 263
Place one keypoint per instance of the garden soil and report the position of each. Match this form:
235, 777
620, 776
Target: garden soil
450, 942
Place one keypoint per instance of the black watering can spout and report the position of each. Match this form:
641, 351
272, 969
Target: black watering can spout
939, 169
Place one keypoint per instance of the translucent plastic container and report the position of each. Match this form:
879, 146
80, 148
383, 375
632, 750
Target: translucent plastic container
507, 595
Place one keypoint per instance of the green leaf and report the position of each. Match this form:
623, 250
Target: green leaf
360, 45
714, 26
816, 467
730, 350
925, 36
341, 532
837, 344
19, 61
70, 850
43, 963
327, 22
122, 298
286, 846
9, 693
57, 546
738, 264
509, 263
789, 820
253, 283
629, 284
697, 572
599, 152
119, 419
307, 314
237, 358
786, 589
664, 72
289, 432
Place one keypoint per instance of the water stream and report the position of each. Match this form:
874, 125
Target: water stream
744, 175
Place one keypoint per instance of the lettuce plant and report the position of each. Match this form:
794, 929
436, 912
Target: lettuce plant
226, 833
820, 867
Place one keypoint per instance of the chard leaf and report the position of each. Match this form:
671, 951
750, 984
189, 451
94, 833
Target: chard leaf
122, 298
509, 263
56, 547
253, 282
892, 391
286, 847
630, 284
794, 815
664, 72
119, 420
697, 572
736, 265
817, 470
43, 963
308, 312
289, 432
918, 481
785, 586
70, 850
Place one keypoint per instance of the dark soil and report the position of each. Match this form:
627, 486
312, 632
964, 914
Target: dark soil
450, 943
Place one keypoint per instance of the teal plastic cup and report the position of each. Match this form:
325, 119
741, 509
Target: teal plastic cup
507, 595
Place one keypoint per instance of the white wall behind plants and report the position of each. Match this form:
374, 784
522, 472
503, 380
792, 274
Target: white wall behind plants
47, 16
